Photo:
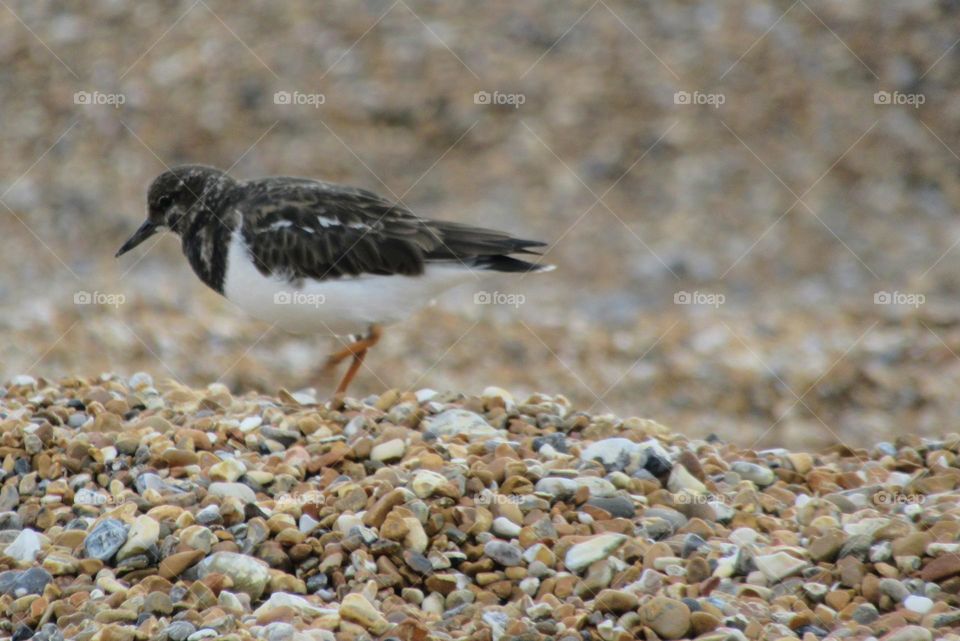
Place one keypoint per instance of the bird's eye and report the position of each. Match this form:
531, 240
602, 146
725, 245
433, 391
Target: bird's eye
164, 201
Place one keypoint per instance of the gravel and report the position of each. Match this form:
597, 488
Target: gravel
453, 535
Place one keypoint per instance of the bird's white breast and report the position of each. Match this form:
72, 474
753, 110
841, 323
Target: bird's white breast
335, 306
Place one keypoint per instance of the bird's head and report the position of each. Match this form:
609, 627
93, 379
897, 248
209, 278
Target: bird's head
176, 197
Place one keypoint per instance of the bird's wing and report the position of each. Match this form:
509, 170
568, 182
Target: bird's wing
309, 229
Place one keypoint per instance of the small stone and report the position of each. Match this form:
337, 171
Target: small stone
865, 613
425, 483
503, 526
614, 453
918, 604
827, 546
669, 618
941, 568
249, 575
559, 488
503, 553
105, 539
294, 602
228, 470
25, 547
20, 583
894, 589
682, 481
455, 422
236, 490
758, 474
779, 566
599, 547
909, 633
180, 630
143, 534
158, 603
392, 450
616, 601
354, 607
174, 565
617, 506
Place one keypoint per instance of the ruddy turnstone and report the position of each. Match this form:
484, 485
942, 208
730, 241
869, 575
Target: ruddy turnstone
311, 256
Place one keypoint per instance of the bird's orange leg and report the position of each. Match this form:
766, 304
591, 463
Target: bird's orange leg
358, 350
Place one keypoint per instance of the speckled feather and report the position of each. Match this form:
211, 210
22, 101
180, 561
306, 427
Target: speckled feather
298, 228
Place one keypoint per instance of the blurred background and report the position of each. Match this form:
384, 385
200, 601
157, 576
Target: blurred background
752, 205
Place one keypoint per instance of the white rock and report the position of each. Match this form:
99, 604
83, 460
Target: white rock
250, 423
229, 469
744, 536
556, 486
237, 490
503, 526
779, 565
346, 522
426, 482
425, 394
611, 451
143, 533
598, 487
307, 523
458, 421
249, 575
357, 609
298, 603
681, 480
583, 554
391, 450
25, 547
918, 604
416, 538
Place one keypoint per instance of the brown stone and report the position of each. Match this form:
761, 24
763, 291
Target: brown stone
940, 568
172, 566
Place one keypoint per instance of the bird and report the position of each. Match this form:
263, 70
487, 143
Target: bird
315, 257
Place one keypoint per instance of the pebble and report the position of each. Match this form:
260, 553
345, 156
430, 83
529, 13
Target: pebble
779, 566
359, 610
392, 450
203, 515
248, 574
460, 422
599, 547
757, 474
143, 534
235, 490
918, 604
25, 547
669, 618
503, 553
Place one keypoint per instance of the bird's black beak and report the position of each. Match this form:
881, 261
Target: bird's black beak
146, 230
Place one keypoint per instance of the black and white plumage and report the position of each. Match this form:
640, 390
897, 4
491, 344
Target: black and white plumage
313, 256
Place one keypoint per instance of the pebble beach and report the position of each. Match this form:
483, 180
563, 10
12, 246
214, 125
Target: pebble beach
139, 510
